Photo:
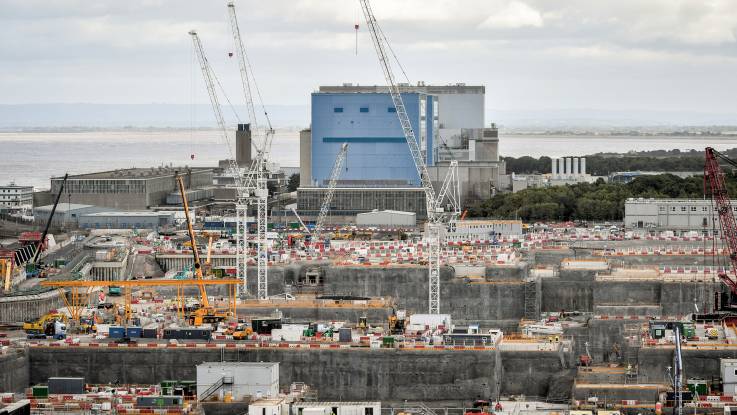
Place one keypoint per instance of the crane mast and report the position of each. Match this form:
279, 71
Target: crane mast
437, 219
256, 177
714, 183
209, 76
197, 265
334, 176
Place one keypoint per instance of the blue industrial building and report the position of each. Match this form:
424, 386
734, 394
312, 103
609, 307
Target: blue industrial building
378, 154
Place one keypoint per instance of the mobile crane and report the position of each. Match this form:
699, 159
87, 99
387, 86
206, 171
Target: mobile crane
206, 313
715, 187
34, 268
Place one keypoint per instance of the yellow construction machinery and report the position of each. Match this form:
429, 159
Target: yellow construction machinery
44, 325
206, 314
6, 270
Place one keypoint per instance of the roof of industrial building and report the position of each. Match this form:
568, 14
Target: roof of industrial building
252, 364
129, 214
488, 222
393, 212
337, 403
137, 173
14, 186
458, 88
63, 207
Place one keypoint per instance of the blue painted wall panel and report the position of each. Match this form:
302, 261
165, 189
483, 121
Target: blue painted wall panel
377, 149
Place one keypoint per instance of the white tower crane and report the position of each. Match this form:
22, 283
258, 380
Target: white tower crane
256, 179
234, 170
437, 217
334, 176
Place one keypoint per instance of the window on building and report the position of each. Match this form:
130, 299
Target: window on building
368, 411
693, 208
391, 109
683, 208
704, 209
364, 109
673, 209
338, 109
662, 208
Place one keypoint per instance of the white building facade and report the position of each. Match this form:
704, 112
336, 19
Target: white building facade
13, 196
242, 379
482, 230
678, 215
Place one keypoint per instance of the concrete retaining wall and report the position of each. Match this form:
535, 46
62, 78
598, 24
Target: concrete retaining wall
370, 374
14, 371
16, 309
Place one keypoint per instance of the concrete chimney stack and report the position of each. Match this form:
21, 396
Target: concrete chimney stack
583, 165
575, 166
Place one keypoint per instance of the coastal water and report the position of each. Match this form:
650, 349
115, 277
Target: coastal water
30, 158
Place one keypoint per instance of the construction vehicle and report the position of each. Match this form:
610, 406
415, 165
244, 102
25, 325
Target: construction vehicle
51, 324
205, 314
242, 332
397, 322
715, 186
114, 291
34, 268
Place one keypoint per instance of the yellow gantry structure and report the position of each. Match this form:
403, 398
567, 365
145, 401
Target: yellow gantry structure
80, 291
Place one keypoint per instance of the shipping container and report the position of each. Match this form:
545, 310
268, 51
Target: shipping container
159, 401
40, 391
149, 333
116, 332
264, 326
66, 386
345, 335
134, 332
188, 334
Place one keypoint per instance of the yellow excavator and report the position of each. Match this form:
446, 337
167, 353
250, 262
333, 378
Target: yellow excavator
205, 314
46, 325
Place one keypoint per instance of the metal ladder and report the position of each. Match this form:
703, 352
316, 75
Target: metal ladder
225, 380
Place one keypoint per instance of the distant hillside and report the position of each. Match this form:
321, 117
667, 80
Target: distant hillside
30, 116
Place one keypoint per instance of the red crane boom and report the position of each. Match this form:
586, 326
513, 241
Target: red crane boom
714, 183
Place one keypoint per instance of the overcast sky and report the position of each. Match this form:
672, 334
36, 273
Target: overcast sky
672, 55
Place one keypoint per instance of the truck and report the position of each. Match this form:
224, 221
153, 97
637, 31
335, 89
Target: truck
51, 324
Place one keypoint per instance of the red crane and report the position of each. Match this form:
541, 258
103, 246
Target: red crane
714, 184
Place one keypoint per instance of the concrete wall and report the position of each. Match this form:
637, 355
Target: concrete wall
16, 309
370, 374
14, 375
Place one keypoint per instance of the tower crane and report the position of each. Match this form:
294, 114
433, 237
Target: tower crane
437, 217
715, 185
334, 176
256, 177
244, 190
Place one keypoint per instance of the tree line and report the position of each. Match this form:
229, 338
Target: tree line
603, 164
590, 201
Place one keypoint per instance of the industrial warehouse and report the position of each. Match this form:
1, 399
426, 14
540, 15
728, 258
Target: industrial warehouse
363, 282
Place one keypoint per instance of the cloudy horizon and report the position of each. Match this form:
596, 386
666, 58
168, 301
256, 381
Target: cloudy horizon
626, 55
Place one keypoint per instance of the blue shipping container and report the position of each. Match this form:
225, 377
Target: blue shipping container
134, 332
116, 332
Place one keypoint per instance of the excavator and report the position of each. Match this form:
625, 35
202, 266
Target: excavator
51, 324
205, 314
